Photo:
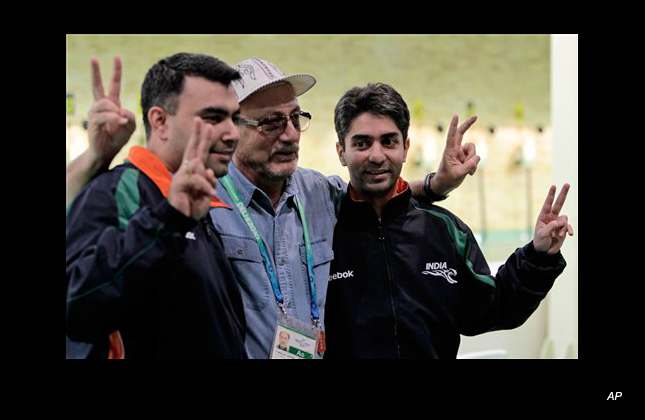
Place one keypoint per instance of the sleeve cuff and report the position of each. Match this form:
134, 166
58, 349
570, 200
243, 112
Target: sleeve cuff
173, 219
541, 259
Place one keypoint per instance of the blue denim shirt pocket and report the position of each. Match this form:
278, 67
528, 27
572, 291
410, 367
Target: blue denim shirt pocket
245, 258
322, 253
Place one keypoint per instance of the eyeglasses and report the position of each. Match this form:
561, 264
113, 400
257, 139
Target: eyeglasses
276, 124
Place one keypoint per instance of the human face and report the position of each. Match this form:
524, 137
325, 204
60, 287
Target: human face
374, 154
215, 104
268, 159
284, 339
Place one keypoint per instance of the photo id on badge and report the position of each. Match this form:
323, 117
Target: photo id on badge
293, 339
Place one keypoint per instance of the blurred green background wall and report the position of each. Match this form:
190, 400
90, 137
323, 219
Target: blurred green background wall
437, 75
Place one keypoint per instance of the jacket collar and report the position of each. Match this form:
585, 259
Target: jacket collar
360, 208
150, 164
400, 187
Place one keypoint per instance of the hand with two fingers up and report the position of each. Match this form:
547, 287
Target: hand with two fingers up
193, 185
551, 227
110, 125
458, 160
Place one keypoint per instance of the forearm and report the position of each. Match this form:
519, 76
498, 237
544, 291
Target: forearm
523, 282
436, 186
80, 171
417, 189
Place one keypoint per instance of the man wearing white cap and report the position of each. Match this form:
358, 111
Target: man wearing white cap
278, 235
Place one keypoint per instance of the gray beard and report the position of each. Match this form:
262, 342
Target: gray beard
263, 171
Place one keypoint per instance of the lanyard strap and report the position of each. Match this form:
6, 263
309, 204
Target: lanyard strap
315, 316
235, 196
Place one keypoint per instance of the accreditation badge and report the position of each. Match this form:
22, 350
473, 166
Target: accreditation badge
293, 339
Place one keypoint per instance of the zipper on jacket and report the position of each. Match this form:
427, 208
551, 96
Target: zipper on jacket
381, 237
209, 233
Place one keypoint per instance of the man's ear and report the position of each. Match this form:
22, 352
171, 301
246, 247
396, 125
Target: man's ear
158, 120
406, 147
341, 153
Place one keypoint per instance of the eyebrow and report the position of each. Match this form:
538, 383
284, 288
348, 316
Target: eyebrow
368, 137
276, 113
221, 111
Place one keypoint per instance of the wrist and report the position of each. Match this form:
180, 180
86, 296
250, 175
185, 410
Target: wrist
95, 162
174, 219
540, 256
432, 189
441, 184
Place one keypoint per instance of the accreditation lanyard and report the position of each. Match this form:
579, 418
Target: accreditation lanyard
241, 207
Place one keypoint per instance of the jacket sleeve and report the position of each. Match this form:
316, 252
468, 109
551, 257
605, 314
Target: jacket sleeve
111, 265
337, 188
506, 300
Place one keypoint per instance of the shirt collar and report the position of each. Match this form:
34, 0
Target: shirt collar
150, 164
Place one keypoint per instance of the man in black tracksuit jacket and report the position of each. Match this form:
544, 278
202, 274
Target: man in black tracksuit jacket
147, 275
408, 285
407, 279
137, 265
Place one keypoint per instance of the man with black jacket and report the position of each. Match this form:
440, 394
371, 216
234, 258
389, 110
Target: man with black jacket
407, 279
147, 275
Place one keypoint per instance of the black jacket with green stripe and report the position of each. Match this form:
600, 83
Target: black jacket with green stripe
137, 265
408, 285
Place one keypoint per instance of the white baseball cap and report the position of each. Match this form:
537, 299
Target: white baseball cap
258, 74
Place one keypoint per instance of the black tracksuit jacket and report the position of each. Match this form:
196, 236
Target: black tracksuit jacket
408, 285
137, 265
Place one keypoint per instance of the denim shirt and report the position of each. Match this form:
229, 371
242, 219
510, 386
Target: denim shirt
282, 231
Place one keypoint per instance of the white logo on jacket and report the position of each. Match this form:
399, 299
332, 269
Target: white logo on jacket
190, 235
344, 275
440, 269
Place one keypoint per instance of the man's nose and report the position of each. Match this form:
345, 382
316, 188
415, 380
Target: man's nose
231, 133
376, 154
290, 134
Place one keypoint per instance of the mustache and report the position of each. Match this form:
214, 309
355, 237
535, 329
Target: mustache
287, 149
377, 169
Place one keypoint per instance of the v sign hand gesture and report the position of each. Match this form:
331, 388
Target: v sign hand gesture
110, 126
551, 228
457, 161
192, 186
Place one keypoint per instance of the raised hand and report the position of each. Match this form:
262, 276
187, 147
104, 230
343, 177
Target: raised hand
110, 126
551, 228
458, 160
192, 186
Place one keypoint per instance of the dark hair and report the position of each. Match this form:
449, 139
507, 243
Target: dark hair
164, 81
375, 98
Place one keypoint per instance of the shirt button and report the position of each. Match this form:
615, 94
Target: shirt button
282, 261
239, 251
